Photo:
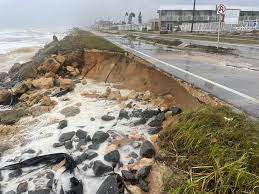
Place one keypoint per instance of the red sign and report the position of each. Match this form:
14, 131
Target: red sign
221, 9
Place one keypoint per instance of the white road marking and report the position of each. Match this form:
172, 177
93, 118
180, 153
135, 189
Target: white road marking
192, 74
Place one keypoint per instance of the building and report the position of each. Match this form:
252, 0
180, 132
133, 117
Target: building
172, 17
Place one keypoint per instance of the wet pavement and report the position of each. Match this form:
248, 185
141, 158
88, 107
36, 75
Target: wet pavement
233, 79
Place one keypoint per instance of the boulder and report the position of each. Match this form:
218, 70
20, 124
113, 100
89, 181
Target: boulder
128, 176
49, 65
3, 76
141, 121
109, 186
22, 187
89, 155
23, 71
69, 145
107, 118
66, 136
76, 186
113, 156
124, 114
62, 124
5, 96
99, 137
70, 111
66, 84
150, 113
133, 155
46, 101
143, 185
57, 145
60, 58
100, 168
143, 172
43, 83
94, 146
81, 134
38, 110
19, 88
157, 122
147, 150
153, 131
9, 117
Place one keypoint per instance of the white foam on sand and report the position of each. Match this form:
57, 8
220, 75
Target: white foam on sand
43, 133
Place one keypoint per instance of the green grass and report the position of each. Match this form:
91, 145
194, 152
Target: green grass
79, 39
175, 42
212, 49
212, 150
214, 39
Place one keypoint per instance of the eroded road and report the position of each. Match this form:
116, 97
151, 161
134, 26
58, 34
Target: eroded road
232, 79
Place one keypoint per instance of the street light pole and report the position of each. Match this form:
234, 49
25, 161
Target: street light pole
193, 14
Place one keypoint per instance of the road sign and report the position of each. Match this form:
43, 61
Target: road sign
232, 16
221, 9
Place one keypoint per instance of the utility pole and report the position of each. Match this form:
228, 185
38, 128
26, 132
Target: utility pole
193, 14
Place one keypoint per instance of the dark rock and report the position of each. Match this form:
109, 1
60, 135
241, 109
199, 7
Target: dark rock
50, 175
62, 124
123, 114
30, 151
15, 173
143, 185
133, 155
141, 121
113, 156
22, 187
92, 119
143, 172
40, 191
57, 145
128, 176
150, 113
89, 155
131, 161
69, 145
9, 117
76, 186
129, 105
107, 118
109, 186
100, 168
88, 138
94, 146
60, 93
1, 177
23, 71
137, 113
147, 150
100, 137
10, 192
176, 111
157, 122
3, 76
81, 134
153, 131
50, 183
66, 136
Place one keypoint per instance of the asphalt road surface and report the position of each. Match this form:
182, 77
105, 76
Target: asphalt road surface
232, 79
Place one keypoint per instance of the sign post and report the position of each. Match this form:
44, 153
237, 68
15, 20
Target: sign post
221, 9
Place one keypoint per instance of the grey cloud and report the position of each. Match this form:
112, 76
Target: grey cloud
37, 13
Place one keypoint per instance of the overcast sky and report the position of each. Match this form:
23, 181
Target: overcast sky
38, 13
